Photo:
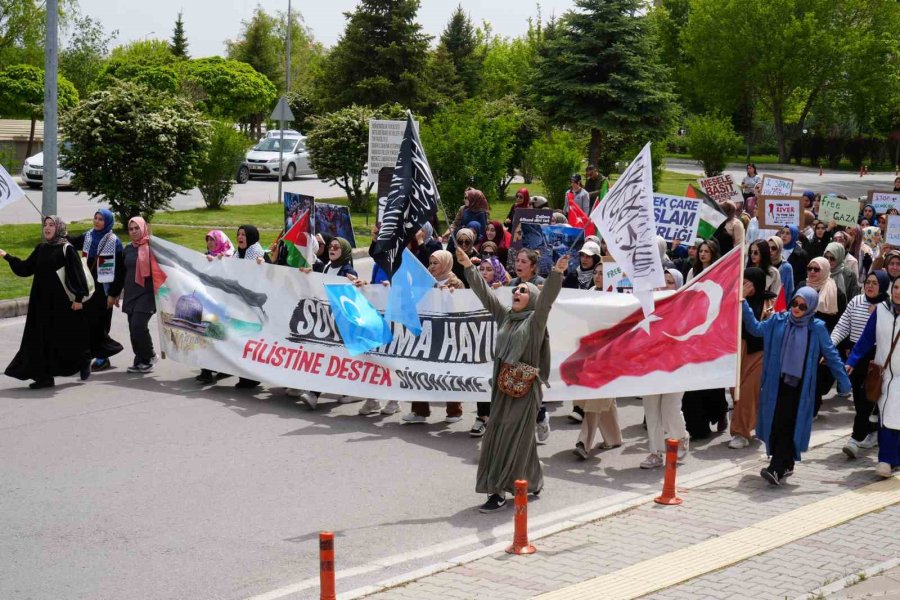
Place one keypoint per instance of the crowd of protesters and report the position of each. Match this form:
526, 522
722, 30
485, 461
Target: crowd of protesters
821, 302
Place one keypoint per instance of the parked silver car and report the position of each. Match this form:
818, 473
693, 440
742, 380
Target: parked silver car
33, 172
262, 159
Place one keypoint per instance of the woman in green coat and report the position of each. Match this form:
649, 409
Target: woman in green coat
509, 449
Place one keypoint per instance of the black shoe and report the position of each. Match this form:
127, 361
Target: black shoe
537, 493
246, 384
495, 502
770, 476
205, 376
723, 423
221, 376
478, 428
42, 383
85, 372
579, 451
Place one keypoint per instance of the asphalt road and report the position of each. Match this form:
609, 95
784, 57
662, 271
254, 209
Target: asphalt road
133, 487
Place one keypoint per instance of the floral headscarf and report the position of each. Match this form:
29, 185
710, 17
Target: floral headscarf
223, 244
500, 274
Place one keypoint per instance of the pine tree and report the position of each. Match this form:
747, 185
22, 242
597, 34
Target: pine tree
179, 43
461, 44
379, 59
598, 68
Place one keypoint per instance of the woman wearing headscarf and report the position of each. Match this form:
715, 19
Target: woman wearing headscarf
497, 234
850, 266
424, 244
493, 272
881, 333
785, 271
793, 343
248, 248
582, 277
441, 268
820, 240
509, 450
869, 214
831, 305
466, 239
662, 412
55, 340
101, 245
743, 417
847, 332
846, 279
794, 253
139, 304
523, 200
324, 243
475, 208
760, 256
340, 259
871, 249
218, 244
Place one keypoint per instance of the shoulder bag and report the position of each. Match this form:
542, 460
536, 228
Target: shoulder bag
61, 274
875, 374
515, 380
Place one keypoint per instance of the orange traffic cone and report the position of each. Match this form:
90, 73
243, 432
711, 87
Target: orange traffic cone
326, 566
520, 543
669, 494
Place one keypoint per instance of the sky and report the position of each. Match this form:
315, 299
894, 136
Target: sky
208, 23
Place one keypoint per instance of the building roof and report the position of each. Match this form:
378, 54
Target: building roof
19, 129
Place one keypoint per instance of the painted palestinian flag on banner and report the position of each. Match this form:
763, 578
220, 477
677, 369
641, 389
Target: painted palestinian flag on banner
300, 243
711, 216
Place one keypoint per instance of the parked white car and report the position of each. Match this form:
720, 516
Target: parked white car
33, 172
262, 160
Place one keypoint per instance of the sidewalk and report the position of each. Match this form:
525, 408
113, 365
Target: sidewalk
737, 537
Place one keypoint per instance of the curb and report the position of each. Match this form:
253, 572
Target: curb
13, 308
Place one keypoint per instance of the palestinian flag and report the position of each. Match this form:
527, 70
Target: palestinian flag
300, 243
711, 216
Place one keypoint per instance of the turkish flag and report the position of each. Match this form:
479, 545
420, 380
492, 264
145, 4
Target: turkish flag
780, 302
577, 218
695, 325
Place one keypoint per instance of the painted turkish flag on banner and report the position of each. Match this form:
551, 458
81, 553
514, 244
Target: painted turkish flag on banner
695, 326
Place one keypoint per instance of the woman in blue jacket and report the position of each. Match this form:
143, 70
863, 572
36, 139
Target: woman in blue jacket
793, 342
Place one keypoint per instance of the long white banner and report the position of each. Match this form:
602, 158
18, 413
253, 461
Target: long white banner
274, 324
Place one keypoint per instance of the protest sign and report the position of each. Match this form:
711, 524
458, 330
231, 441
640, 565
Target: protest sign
275, 325
385, 138
721, 188
334, 219
892, 236
294, 206
778, 211
842, 212
527, 231
883, 201
777, 186
614, 278
677, 217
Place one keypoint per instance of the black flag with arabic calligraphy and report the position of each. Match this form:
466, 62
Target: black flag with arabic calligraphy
411, 203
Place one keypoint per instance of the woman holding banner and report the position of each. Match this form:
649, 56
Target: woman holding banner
509, 450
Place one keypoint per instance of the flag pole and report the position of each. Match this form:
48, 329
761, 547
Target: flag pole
740, 323
33, 205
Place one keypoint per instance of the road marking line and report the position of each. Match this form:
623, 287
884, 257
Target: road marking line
670, 569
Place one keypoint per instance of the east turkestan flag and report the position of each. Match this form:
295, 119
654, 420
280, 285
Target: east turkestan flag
300, 243
411, 202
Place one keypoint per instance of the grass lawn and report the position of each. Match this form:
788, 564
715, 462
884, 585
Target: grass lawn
189, 227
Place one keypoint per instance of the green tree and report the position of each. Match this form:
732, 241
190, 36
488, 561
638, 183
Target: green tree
307, 54
711, 140
22, 95
135, 147
179, 45
441, 85
338, 147
466, 146
380, 57
598, 68
554, 159
21, 32
461, 44
148, 62
527, 126
810, 48
81, 61
507, 65
305, 107
228, 88
216, 170
258, 46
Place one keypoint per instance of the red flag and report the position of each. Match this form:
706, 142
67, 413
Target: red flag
577, 218
780, 301
694, 326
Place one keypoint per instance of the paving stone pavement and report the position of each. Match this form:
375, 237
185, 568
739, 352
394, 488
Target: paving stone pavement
650, 530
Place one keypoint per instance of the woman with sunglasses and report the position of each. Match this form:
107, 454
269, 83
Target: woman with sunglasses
850, 327
785, 271
509, 450
881, 333
465, 239
847, 279
831, 305
760, 256
793, 343
522, 200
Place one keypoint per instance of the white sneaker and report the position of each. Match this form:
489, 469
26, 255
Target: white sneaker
684, 445
542, 430
348, 399
391, 408
870, 442
293, 392
310, 399
653, 461
738, 442
851, 448
883, 469
370, 407
454, 419
414, 418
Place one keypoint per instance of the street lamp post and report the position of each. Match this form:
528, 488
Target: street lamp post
287, 88
50, 146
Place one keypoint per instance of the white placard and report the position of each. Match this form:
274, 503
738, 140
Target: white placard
385, 138
893, 230
777, 186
